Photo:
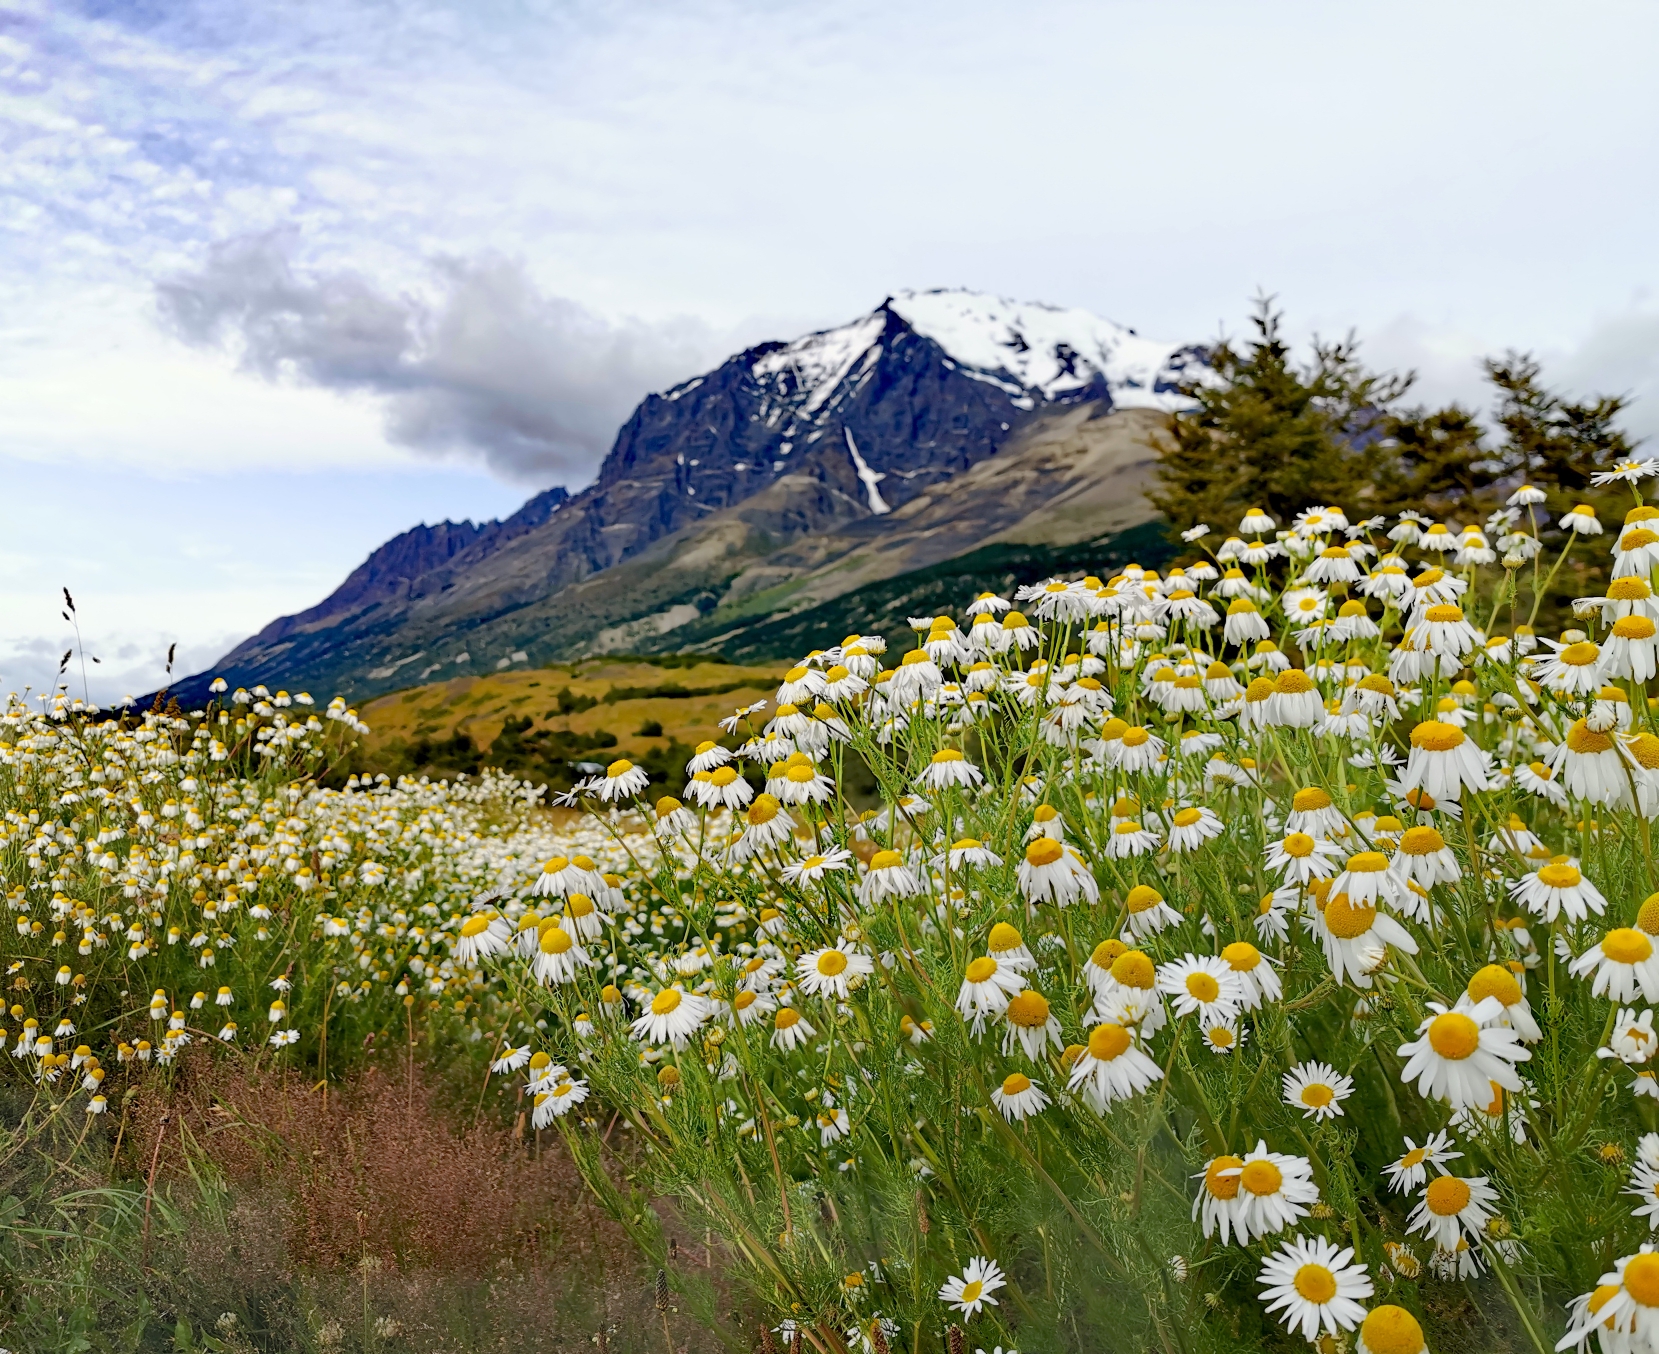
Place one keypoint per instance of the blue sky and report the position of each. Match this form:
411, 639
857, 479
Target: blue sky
279, 281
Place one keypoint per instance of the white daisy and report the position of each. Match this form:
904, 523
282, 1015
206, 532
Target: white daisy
1315, 1286
1019, 1097
1555, 888
1146, 913
828, 972
673, 1017
986, 987
1201, 985
1317, 1089
1274, 1190
1623, 961
1452, 1206
973, 1289
1112, 1068
1460, 1055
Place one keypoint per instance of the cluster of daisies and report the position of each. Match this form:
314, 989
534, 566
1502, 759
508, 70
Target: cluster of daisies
172, 879
1125, 832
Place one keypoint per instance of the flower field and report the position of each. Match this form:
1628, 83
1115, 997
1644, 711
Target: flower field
1256, 956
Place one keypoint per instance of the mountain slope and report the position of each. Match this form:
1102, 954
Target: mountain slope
850, 444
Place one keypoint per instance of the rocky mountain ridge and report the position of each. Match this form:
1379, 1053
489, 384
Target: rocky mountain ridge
853, 444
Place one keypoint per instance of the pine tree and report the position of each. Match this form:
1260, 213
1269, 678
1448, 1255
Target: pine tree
1552, 441
1267, 432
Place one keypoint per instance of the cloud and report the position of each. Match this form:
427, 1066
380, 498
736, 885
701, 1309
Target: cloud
129, 665
1617, 355
1620, 356
479, 362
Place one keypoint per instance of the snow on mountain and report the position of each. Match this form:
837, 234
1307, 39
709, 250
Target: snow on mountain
1047, 349
1032, 351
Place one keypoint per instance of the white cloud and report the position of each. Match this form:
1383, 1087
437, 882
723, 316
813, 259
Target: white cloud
484, 364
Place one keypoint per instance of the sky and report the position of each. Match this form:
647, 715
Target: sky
280, 281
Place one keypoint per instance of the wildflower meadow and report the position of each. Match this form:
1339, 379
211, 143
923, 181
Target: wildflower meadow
1256, 956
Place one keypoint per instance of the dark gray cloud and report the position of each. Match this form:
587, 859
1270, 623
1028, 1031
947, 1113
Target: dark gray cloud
481, 363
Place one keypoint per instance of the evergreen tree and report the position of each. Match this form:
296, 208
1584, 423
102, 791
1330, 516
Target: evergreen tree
1265, 431
1268, 432
1551, 441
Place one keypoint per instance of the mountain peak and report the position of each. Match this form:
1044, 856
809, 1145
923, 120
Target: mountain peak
1055, 351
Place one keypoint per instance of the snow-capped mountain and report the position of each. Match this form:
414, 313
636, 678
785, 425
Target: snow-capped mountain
785, 447
1053, 353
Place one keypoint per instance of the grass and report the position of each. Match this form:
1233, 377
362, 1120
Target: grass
536, 723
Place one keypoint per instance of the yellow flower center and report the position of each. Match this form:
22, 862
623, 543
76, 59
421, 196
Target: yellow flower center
1641, 1279
1422, 841
1141, 898
1556, 876
1495, 981
1367, 862
1043, 851
1241, 956
1015, 1083
1648, 917
666, 1001
786, 1019
1133, 969
1135, 736
1446, 1196
1261, 1177
1391, 1330
1106, 953
1315, 1283
1347, 919
1028, 1010
555, 940
1187, 817
1316, 1095
1203, 987
620, 767
1107, 1042
946, 755
1604, 1294
1222, 1186
971, 1291
1453, 1035
1433, 736
1585, 740
1299, 845
1626, 946
1293, 682
1003, 938
833, 962
981, 970
1310, 799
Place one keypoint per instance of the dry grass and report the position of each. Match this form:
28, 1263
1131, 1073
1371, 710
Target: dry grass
478, 705
368, 1220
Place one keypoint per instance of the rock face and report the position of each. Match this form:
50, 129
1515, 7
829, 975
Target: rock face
740, 482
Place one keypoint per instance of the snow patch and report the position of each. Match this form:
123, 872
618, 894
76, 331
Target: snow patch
820, 362
871, 478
